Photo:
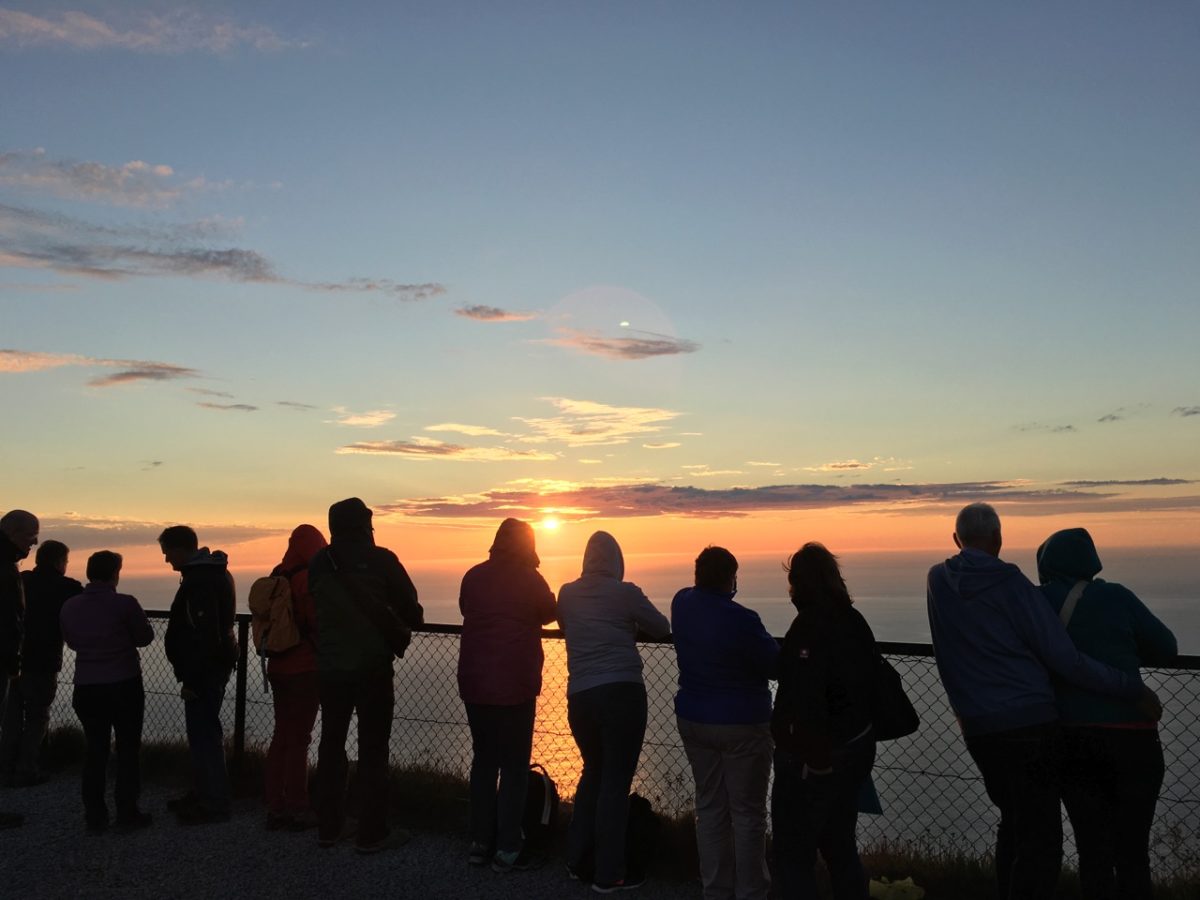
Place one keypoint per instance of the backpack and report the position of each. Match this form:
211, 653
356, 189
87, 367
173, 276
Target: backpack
892, 713
541, 810
273, 621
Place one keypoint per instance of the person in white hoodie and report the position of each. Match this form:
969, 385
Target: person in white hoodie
601, 616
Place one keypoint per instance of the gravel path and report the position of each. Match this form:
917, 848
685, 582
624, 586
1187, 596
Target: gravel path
51, 856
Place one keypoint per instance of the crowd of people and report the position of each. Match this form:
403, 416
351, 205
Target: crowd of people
1044, 682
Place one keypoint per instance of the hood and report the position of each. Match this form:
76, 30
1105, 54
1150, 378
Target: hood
1069, 555
603, 556
514, 541
206, 557
350, 520
972, 572
303, 545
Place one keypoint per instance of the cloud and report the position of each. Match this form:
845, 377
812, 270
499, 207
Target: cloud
1147, 482
1111, 417
1052, 429
180, 31
84, 532
645, 345
469, 430
372, 418
150, 464
238, 407
134, 183
665, 445
493, 314
584, 423
1186, 411
770, 464
427, 448
846, 465
130, 369
293, 404
205, 392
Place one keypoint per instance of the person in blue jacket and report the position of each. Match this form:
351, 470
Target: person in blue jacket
1113, 760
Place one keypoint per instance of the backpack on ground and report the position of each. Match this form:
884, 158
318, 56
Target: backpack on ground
273, 621
541, 810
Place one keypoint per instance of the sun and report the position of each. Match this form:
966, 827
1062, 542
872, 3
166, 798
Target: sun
550, 523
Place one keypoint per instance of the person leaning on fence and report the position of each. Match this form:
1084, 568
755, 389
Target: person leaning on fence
601, 616
997, 643
824, 742
295, 695
723, 709
366, 605
1113, 760
202, 651
105, 629
504, 603
27, 716
18, 534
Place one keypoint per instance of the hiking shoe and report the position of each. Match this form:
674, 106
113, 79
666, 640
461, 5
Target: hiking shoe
11, 820
478, 854
510, 861
397, 837
201, 815
183, 801
625, 884
132, 821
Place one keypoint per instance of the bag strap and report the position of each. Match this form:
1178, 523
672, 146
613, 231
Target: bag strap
1068, 607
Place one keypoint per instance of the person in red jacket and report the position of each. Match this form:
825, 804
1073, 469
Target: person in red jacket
293, 679
504, 604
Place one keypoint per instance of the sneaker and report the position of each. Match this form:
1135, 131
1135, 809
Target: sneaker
478, 854
625, 884
183, 801
132, 821
11, 820
201, 815
510, 861
397, 837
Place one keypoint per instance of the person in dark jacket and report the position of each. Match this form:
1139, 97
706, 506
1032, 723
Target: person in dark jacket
824, 745
105, 629
996, 642
293, 679
202, 650
27, 717
1113, 760
504, 603
18, 534
365, 601
723, 710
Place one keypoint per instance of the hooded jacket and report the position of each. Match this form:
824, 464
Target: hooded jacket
1109, 624
996, 641
504, 604
12, 607
303, 545
199, 642
601, 615
46, 590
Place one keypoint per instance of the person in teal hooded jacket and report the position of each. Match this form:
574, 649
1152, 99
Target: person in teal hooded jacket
1113, 760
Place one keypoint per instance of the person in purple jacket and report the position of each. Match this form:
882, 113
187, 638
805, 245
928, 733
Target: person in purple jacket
723, 709
105, 629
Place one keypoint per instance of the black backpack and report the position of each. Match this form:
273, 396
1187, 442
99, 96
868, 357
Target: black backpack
541, 810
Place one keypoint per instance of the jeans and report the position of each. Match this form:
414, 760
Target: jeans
296, 700
819, 812
1020, 773
501, 741
731, 765
373, 697
608, 723
206, 743
1110, 783
104, 710
25, 723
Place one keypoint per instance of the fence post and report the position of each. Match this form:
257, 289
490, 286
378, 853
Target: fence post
239, 696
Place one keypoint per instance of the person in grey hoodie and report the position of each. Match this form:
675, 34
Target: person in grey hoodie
997, 643
601, 616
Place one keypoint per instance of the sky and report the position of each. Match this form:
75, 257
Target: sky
748, 274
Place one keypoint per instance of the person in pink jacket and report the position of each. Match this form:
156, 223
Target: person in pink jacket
504, 603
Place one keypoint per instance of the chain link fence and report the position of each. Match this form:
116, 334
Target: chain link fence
932, 796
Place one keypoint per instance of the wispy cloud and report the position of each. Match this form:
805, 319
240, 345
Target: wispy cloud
469, 430
1186, 411
1137, 482
135, 183
85, 532
1051, 429
151, 464
427, 448
586, 423
130, 370
372, 418
140, 371
228, 407
773, 465
665, 445
482, 313
640, 344
293, 404
180, 31
205, 392
886, 464
845, 465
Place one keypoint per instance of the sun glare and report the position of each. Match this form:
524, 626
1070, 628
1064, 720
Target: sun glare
550, 523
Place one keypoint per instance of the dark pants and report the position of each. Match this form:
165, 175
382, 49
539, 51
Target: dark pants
501, 741
1020, 772
296, 700
373, 697
608, 723
1110, 783
105, 710
819, 813
206, 743
25, 722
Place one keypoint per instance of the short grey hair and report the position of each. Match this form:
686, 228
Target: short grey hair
976, 522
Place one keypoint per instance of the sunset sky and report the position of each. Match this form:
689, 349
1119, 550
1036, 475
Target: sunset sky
695, 272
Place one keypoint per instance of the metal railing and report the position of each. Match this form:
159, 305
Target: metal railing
932, 795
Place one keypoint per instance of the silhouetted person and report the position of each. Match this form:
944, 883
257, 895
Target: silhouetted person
202, 650
997, 642
354, 583
504, 603
1113, 765
105, 629
27, 717
723, 709
601, 615
18, 534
